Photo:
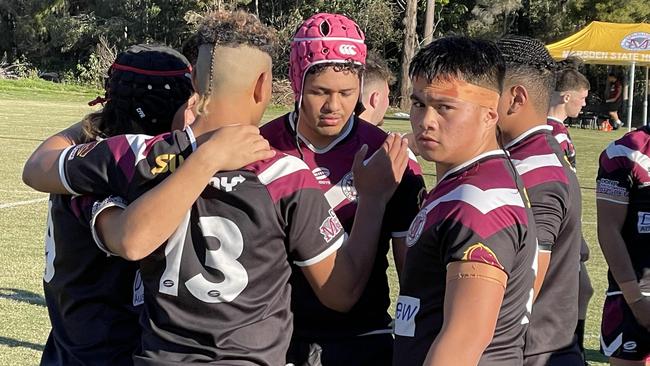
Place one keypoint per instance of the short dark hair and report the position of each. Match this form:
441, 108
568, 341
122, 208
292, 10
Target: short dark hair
377, 70
476, 61
234, 29
568, 77
529, 63
337, 66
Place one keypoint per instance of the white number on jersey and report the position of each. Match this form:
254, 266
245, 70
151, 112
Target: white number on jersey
50, 250
223, 259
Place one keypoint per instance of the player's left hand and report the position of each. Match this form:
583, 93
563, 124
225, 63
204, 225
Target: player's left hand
379, 176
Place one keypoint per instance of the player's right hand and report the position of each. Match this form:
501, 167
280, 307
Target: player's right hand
235, 146
641, 311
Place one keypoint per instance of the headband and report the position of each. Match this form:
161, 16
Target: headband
463, 90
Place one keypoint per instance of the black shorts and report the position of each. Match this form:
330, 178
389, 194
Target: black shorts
613, 106
367, 350
621, 336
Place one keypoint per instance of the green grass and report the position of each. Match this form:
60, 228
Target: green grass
33, 110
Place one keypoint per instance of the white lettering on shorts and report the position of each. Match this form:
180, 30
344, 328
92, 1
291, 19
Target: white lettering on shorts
138, 289
405, 311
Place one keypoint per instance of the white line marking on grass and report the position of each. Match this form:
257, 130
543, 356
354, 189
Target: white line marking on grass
21, 203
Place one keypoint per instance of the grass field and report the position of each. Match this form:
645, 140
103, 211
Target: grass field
31, 111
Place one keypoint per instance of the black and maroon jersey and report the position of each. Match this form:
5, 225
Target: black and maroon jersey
555, 198
217, 291
477, 212
93, 300
561, 134
624, 178
332, 167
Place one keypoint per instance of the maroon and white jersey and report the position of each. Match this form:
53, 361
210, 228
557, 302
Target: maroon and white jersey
217, 291
332, 167
556, 201
93, 300
561, 134
624, 178
478, 212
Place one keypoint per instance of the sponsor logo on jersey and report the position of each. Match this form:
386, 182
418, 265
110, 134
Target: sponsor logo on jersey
347, 185
167, 163
480, 253
639, 41
611, 188
226, 184
331, 226
415, 230
643, 225
140, 112
348, 49
138, 289
406, 309
80, 151
321, 174
629, 346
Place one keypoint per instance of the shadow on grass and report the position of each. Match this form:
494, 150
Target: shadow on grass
22, 296
595, 356
10, 342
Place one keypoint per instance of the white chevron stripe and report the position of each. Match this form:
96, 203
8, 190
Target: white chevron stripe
614, 150
535, 162
281, 168
616, 343
561, 137
484, 201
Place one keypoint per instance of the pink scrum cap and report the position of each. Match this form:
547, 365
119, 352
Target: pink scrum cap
324, 38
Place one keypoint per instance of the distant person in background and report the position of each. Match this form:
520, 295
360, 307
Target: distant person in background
377, 79
614, 99
571, 89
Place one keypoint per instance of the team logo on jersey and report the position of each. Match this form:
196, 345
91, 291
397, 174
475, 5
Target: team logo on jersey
330, 227
321, 174
480, 253
629, 346
347, 186
167, 163
415, 230
226, 184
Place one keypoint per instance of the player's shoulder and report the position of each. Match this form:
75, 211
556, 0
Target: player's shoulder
369, 134
558, 127
633, 149
283, 175
538, 159
275, 127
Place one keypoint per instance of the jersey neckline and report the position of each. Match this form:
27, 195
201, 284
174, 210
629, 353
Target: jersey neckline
347, 131
463, 166
528, 133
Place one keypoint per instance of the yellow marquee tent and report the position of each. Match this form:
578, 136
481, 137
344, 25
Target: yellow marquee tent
610, 44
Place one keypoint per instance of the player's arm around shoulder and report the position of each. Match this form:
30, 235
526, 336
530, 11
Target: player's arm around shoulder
473, 296
340, 278
41, 170
135, 231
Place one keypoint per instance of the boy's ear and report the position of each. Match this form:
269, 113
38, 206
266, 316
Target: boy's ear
261, 92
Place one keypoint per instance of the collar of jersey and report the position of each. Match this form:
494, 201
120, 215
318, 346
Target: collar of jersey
344, 134
554, 119
464, 165
524, 135
190, 136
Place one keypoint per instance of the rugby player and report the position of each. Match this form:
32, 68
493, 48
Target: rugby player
377, 79
623, 209
466, 289
554, 194
93, 300
568, 98
325, 68
217, 291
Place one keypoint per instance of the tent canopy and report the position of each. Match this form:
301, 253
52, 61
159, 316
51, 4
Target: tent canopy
607, 43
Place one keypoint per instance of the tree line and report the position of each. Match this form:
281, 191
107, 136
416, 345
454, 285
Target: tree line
62, 36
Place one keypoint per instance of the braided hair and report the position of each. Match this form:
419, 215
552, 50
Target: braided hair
529, 63
145, 87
